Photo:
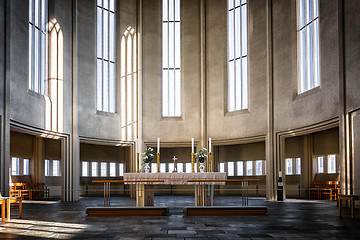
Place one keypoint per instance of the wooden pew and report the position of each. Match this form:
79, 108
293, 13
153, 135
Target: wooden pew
11, 200
3, 204
8, 201
323, 190
350, 198
29, 191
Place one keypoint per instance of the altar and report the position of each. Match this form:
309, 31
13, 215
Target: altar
204, 186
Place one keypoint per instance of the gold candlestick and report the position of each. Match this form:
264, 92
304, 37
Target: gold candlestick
192, 162
137, 163
210, 168
158, 162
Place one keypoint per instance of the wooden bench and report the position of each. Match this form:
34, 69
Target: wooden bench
224, 211
350, 198
8, 201
3, 204
29, 191
323, 190
126, 211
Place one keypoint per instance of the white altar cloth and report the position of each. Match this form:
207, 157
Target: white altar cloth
177, 178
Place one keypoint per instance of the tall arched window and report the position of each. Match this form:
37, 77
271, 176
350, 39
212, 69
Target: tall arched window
237, 55
106, 69
308, 44
171, 65
129, 84
38, 17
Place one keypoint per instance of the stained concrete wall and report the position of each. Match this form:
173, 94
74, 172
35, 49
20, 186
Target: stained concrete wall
99, 153
21, 145
188, 126
221, 124
95, 123
291, 110
294, 110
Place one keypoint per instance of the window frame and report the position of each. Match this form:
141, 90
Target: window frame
241, 97
38, 49
316, 66
106, 86
167, 69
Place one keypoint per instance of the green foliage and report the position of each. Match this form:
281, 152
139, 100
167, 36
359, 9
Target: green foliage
148, 155
201, 155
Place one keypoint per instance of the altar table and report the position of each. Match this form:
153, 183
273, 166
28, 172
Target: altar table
204, 190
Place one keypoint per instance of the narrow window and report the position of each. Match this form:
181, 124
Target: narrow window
230, 170
240, 168
153, 167
188, 167
298, 166
258, 167
112, 169
38, 18
56, 168
308, 44
289, 166
94, 169
47, 168
249, 168
171, 59
121, 169
26, 166
15, 166
222, 167
320, 164
180, 167
85, 169
331, 163
103, 169
237, 55
162, 167
106, 55
171, 167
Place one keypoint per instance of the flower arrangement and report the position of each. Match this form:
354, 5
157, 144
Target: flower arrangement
148, 155
201, 155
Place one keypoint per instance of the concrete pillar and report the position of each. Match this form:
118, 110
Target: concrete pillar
39, 160
5, 97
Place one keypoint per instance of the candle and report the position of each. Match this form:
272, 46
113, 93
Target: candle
158, 145
209, 145
192, 145
137, 145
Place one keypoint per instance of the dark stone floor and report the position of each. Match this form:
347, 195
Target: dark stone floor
293, 219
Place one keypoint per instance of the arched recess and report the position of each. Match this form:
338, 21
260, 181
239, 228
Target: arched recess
129, 85
55, 83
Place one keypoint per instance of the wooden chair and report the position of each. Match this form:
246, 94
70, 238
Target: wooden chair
9, 201
2, 203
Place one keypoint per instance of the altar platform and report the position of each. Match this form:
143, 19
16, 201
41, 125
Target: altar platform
204, 185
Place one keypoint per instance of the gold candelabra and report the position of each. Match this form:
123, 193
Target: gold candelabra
192, 162
158, 162
137, 163
210, 168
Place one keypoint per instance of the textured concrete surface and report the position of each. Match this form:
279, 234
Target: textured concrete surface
293, 219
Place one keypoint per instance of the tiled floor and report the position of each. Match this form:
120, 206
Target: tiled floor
293, 219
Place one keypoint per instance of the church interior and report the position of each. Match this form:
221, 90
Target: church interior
224, 106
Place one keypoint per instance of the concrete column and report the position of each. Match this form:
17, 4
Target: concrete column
39, 160
203, 93
5, 98
271, 169
307, 170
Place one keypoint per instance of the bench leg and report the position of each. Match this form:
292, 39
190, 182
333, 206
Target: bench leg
3, 211
20, 208
352, 208
8, 210
339, 205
